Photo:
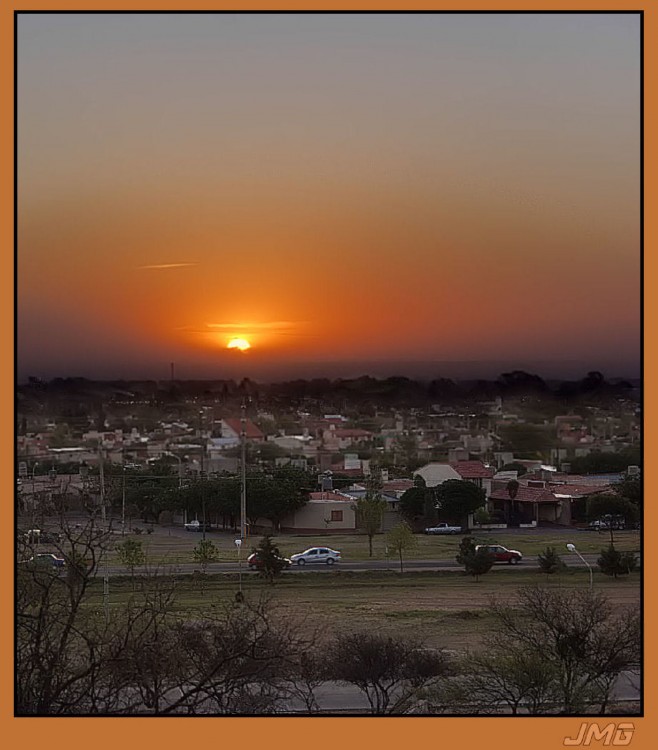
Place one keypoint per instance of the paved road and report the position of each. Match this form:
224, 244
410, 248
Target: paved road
334, 696
529, 562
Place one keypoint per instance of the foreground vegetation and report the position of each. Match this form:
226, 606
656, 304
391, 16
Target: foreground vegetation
415, 642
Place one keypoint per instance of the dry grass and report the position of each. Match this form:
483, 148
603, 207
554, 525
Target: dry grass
447, 609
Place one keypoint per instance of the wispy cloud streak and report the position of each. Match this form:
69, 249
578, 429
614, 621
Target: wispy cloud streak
162, 266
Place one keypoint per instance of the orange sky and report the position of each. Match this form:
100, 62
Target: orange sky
331, 188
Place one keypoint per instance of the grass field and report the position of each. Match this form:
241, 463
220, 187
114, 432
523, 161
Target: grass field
165, 546
447, 609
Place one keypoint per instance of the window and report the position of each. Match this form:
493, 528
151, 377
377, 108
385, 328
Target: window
336, 515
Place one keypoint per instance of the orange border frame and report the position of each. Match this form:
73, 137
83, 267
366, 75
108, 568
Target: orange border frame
74, 733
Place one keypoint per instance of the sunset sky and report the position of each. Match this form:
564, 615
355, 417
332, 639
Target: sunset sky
338, 190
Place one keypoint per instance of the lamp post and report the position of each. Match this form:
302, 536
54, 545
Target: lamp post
572, 548
238, 544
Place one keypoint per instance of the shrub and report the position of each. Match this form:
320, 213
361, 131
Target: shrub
479, 563
614, 563
549, 561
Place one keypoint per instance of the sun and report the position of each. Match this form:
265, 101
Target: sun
241, 344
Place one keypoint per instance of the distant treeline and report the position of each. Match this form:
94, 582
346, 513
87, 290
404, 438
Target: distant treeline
395, 391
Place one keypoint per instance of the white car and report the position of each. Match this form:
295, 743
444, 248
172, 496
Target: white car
444, 528
316, 555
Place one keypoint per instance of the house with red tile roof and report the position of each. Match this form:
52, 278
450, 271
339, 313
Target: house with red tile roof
475, 472
528, 506
232, 428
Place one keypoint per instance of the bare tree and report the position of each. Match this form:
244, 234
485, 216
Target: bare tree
390, 672
59, 640
556, 651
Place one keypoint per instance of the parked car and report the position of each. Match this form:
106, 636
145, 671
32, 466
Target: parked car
316, 555
502, 554
608, 522
444, 528
196, 526
48, 559
254, 561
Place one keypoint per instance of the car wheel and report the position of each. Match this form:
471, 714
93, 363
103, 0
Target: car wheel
301, 562
330, 561
514, 560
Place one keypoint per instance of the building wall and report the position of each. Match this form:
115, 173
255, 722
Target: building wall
316, 516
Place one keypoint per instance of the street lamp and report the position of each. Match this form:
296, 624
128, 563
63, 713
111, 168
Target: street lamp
572, 548
238, 544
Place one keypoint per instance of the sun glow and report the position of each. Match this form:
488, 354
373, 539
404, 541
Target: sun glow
241, 344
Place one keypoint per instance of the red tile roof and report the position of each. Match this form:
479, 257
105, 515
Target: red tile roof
472, 469
526, 495
251, 429
398, 484
330, 495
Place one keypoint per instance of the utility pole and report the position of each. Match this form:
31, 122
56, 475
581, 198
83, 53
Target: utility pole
123, 491
106, 574
243, 487
203, 481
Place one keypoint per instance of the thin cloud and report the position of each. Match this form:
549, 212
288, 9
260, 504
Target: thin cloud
279, 324
161, 266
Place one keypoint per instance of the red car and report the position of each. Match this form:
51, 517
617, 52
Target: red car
256, 563
502, 554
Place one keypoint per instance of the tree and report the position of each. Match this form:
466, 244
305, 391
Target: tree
271, 562
418, 502
486, 681
466, 549
549, 561
131, 554
61, 642
401, 538
479, 563
475, 562
458, 498
370, 509
583, 641
390, 672
611, 507
150, 656
599, 462
614, 563
205, 553
306, 675
412, 503
631, 489
482, 517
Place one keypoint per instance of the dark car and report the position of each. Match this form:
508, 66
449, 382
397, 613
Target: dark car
502, 554
48, 559
197, 526
256, 563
